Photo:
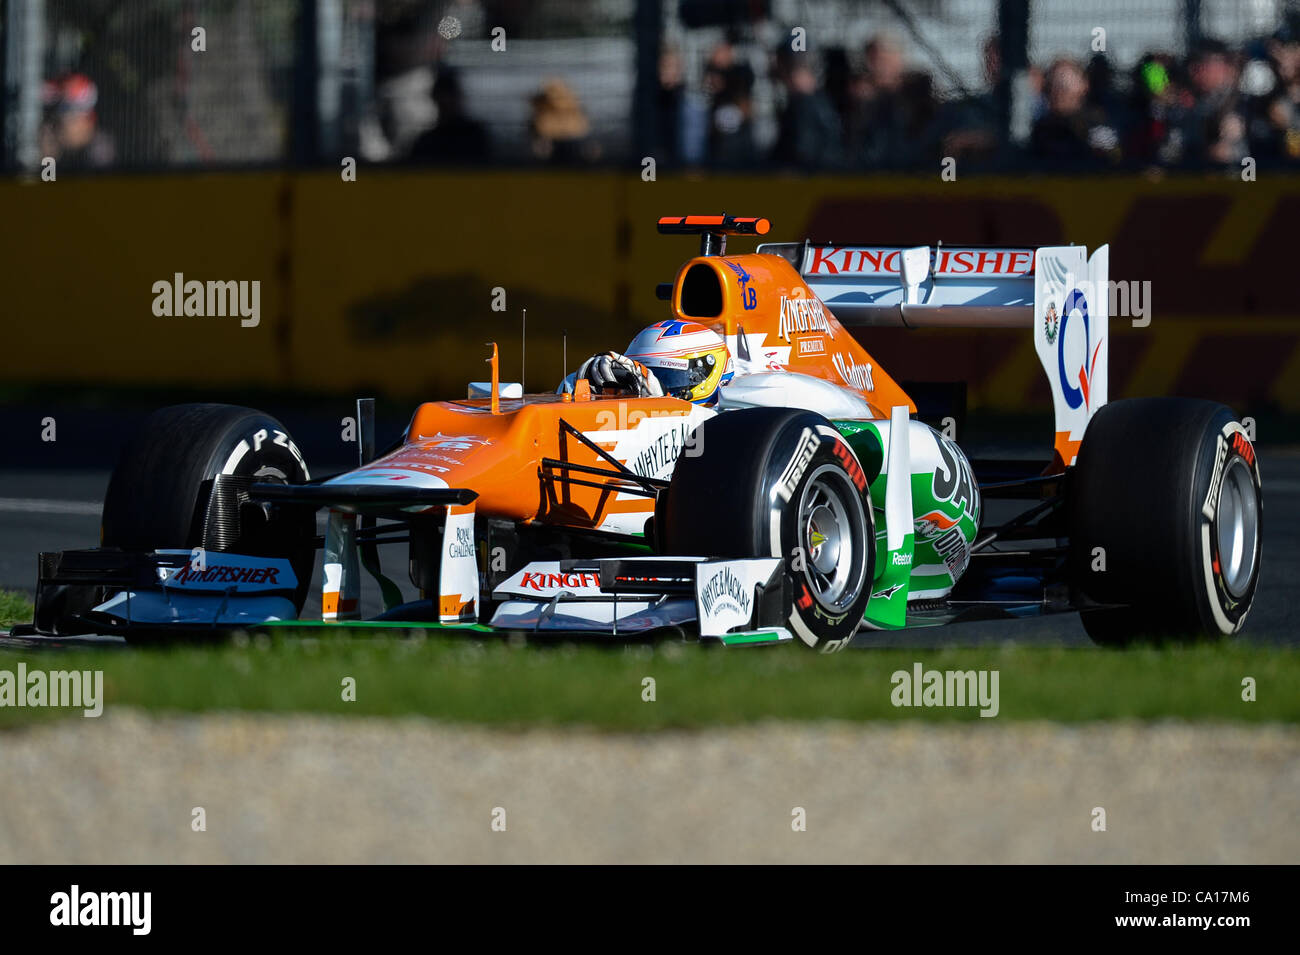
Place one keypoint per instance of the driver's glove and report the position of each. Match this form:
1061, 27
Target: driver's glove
614, 372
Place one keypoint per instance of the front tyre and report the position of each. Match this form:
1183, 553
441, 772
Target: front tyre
1165, 518
780, 482
161, 492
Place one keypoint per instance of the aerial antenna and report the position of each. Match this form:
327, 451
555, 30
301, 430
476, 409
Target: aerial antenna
564, 351
495, 385
523, 349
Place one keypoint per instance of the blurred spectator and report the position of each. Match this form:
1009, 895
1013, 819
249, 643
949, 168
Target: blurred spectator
70, 133
920, 112
970, 125
1272, 80
1158, 104
560, 129
1214, 130
455, 138
671, 102
875, 120
1283, 50
839, 76
809, 131
884, 57
729, 82
683, 114
1108, 108
1071, 132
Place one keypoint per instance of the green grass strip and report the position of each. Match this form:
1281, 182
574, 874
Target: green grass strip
464, 678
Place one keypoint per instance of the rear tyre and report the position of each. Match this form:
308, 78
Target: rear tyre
779, 482
160, 494
1165, 517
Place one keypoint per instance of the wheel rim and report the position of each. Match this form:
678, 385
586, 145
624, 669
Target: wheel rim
1237, 526
833, 553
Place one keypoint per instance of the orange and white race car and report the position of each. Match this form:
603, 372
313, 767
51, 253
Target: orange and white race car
804, 501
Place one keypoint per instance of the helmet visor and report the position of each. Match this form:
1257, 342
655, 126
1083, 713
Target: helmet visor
684, 378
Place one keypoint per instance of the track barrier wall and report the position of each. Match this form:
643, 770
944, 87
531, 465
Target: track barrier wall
387, 284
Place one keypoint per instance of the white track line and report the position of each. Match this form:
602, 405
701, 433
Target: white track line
38, 505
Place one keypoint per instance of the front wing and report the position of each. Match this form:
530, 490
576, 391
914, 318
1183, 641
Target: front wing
183, 593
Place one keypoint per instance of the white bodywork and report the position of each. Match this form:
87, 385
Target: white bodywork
541, 596
649, 445
787, 389
1072, 336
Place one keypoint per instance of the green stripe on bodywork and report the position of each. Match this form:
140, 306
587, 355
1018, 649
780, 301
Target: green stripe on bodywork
887, 608
740, 639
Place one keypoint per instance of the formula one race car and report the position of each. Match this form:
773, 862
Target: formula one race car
809, 504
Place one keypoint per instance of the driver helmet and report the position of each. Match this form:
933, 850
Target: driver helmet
691, 361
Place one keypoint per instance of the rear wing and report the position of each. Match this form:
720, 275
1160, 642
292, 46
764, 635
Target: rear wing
1060, 292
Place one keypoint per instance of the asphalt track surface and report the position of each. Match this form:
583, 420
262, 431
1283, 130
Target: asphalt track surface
59, 510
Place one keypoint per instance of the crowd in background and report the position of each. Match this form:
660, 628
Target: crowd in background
870, 110
847, 109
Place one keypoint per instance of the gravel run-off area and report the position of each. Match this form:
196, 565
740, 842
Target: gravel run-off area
123, 788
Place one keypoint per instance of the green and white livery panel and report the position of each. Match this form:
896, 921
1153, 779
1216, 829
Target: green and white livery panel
942, 517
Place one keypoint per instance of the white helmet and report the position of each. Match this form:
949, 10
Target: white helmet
691, 361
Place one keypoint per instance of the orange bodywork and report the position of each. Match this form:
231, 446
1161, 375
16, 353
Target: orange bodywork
464, 444
765, 295
498, 447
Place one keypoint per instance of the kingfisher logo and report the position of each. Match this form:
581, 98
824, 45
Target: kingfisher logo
803, 315
224, 574
540, 582
203, 570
